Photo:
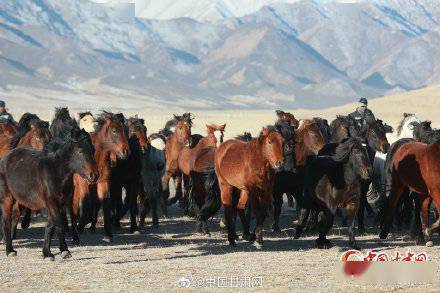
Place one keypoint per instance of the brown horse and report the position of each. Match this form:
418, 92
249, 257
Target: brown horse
31, 132
414, 166
110, 142
187, 156
176, 142
248, 169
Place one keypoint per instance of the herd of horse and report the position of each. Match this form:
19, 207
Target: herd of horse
76, 167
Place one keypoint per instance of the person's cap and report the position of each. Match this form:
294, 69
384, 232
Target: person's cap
363, 101
2, 104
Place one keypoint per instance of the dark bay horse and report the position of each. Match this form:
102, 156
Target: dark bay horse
246, 172
110, 141
423, 132
34, 179
373, 135
188, 156
127, 173
308, 141
333, 182
176, 141
289, 117
414, 166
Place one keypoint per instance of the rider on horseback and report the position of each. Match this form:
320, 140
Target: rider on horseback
5, 117
362, 113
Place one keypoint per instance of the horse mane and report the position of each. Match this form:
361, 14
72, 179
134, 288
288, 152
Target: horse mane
423, 132
287, 131
101, 119
84, 114
22, 128
344, 148
246, 136
62, 114
402, 122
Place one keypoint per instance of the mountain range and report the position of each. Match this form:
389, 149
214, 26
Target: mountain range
260, 54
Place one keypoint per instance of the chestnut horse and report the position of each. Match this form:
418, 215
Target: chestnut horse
246, 171
309, 140
35, 179
176, 142
110, 142
414, 166
187, 156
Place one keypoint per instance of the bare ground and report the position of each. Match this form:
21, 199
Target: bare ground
157, 258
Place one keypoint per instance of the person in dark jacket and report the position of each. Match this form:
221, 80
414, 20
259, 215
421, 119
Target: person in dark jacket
5, 117
362, 113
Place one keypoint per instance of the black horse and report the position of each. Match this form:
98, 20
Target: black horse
35, 179
335, 181
373, 136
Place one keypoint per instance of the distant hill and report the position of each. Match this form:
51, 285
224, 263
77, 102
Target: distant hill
306, 54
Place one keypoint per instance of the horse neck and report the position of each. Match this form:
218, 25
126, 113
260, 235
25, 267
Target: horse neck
207, 141
61, 160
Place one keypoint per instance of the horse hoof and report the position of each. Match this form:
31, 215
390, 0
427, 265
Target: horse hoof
49, 258
258, 245
107, 239
295, 223
222, 224
383, 235
429, 244
323, 243
406, 238
66, 254
11, 254
276, 228
136, 232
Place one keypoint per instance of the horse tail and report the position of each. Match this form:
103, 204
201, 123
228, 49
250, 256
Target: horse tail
212, 201
388, 173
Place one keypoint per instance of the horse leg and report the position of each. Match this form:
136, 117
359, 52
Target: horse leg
104, 197
17, 210
26, 220
362, 205
143, 208
166, 193
230, 206
259, 204
244, 197
394, 194
324, 224
278, 203
116, 206
132, 192
303, 216
7, 210
352, 209
60, 229
416, 229
153, 197
290, 201
184, 199
435, 196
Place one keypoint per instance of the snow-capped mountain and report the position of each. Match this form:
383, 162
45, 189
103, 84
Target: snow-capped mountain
283, 54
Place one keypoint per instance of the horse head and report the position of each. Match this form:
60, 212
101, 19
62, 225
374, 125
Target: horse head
272, 142
137, 130
182, 130
111, 133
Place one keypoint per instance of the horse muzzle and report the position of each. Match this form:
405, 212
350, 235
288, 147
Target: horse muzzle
279, 166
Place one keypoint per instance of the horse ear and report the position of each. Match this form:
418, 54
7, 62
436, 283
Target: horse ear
222, 127
176, 117
142, 121
406, 115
